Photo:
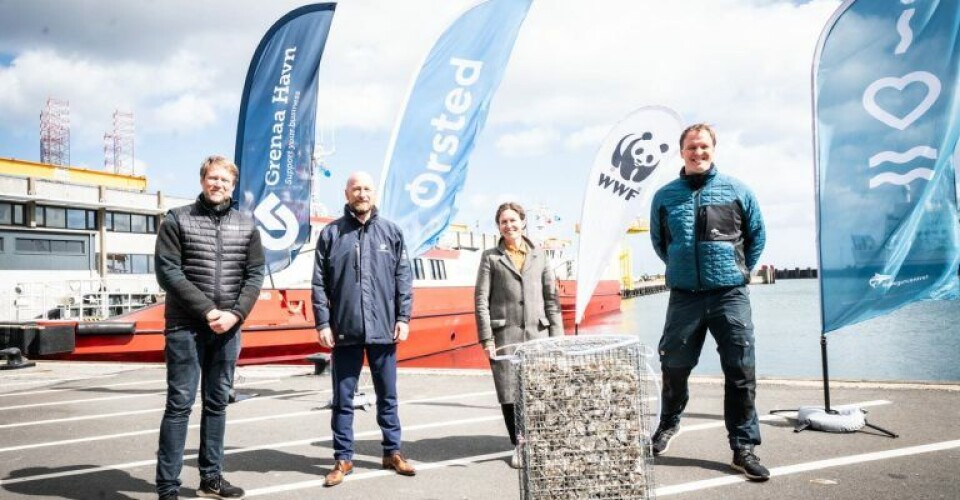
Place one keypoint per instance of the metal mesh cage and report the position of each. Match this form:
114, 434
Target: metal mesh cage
582, 418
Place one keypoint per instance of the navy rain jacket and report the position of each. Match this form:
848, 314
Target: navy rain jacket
362, 282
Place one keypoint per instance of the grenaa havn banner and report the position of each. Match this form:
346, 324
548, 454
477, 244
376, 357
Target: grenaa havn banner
276, 131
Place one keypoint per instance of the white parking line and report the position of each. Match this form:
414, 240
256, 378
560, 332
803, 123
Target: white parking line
37, 381
268, 446
810, 466
316, 483
768, 418
93, 387
150, 410
229, 422
113, 398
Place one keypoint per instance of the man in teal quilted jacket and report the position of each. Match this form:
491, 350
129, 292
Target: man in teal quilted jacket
707, 228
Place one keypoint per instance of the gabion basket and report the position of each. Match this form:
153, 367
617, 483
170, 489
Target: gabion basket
582, 418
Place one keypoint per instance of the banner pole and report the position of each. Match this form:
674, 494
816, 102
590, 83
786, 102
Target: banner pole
826, 374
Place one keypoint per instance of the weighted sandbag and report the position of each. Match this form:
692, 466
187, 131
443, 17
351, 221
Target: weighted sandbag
841, 419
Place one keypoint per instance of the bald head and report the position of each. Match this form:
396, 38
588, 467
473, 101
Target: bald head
360, 194
360, 177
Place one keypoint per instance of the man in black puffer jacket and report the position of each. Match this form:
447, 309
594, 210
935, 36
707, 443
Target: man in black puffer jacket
210, 262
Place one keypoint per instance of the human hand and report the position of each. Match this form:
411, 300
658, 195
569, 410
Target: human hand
401, 331
325, 337
224, 322
213, 315
491, 352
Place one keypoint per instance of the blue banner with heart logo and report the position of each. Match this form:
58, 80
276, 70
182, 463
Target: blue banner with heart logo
886, 122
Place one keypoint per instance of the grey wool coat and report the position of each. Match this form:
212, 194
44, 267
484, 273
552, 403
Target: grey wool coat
514, 306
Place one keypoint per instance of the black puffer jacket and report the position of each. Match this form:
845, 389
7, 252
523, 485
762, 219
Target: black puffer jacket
208, 257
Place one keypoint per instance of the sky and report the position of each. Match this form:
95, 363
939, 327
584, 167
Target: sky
179, 66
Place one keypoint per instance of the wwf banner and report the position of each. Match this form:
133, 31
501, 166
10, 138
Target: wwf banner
886, 122
426, 163
632, 155
276, 130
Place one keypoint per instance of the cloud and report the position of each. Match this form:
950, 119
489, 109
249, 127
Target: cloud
184, 113
576, 70
587, 138
531, 142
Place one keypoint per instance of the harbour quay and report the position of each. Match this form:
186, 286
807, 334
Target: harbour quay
89, 430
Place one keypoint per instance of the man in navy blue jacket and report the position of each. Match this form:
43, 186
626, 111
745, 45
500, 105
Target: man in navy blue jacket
707, 229
362, 300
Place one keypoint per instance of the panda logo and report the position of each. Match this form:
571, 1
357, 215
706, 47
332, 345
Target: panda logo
637, 157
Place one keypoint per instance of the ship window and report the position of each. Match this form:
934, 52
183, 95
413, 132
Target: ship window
418, 269
438, 269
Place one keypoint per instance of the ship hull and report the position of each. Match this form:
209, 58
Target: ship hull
281, 329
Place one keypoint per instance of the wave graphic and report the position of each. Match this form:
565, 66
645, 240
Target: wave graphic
905, 32
894, 157
901, 179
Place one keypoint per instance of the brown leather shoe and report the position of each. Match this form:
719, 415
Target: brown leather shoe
340, 470
396, 462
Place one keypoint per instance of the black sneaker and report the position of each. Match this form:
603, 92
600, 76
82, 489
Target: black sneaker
170, 496
662, 438
218, 487
746, 462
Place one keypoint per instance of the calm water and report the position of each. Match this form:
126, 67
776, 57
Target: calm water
918, 342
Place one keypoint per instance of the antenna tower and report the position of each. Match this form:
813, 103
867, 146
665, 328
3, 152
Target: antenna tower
55, 132
118, 154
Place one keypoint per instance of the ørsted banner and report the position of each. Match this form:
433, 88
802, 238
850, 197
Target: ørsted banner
634, 153
426, 163
276, 129
886, 123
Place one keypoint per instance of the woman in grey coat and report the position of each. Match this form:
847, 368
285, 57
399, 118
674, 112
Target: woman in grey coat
516, 300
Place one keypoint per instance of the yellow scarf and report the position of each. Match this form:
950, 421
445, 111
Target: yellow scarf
517, 254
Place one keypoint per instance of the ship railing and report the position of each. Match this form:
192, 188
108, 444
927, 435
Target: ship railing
79, 299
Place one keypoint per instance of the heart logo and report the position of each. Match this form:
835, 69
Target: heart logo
870, 98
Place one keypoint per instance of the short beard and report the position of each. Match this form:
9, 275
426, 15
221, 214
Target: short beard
356, 208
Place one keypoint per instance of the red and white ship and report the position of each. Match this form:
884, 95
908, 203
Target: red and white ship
281, 328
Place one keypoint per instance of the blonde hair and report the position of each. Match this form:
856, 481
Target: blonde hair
219, 161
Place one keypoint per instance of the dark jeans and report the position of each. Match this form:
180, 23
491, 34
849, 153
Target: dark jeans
195, 356
726, 313
510, 418
347, 362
